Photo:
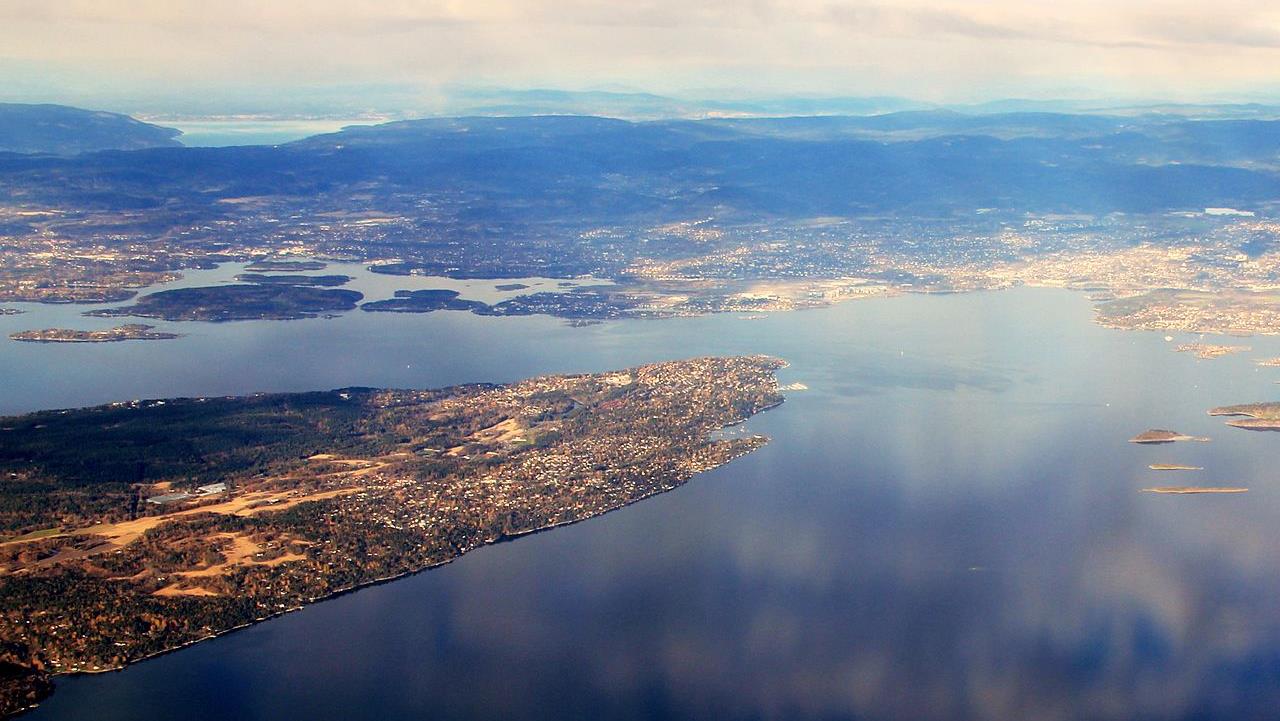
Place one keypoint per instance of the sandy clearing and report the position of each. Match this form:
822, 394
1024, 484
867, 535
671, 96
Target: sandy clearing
240, 552
123, 533
176, 590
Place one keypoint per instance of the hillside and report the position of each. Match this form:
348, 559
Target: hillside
63, 130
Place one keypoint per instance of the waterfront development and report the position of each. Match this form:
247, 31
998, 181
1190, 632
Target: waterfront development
715, 215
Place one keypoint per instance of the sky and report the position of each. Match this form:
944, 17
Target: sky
405, 51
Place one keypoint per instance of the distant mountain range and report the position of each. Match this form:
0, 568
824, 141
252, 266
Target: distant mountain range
63, 130
648, 106
405, 100
561, 167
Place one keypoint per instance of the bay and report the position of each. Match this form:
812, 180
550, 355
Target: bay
946, 525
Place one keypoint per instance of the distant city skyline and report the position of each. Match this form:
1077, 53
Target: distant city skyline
241, 55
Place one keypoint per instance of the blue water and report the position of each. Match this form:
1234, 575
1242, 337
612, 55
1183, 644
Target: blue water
218, 133
947, 525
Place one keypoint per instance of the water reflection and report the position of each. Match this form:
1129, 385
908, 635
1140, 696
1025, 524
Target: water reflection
946, 526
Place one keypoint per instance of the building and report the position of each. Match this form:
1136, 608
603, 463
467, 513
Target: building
168, 498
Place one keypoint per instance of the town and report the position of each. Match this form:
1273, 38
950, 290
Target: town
1193, 271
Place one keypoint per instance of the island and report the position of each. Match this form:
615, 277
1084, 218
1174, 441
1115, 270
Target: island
132, 331
424, 301
1253, 416
238, 302
323, 281
10, 311
506, 287
1209, 351
581, 303
1162, 436
285, 266
1173, 467
83, 295
139, 527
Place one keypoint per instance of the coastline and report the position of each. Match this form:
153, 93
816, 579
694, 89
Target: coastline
506, 538
728, 452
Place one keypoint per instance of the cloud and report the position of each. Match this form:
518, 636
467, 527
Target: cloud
909, 47
920, 22
1213, 30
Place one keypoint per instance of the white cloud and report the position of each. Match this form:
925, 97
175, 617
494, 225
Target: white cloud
931, 48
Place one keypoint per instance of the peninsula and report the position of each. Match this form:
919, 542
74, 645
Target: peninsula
1209, 351
203, 515
1251, 416
132, 331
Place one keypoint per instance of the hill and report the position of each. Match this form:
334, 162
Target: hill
63, 130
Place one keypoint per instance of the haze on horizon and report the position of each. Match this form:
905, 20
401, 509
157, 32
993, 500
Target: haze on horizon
152, 52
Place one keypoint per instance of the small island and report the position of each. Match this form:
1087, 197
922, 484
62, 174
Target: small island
204, 515
1252, 416
1173, 467
1209, 351
1185, 490
220, 303
10, 311
132, 331
505, 287
320, 281
285, 266
1157, 435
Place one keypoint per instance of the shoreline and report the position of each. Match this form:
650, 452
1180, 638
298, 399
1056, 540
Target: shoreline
761, 441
